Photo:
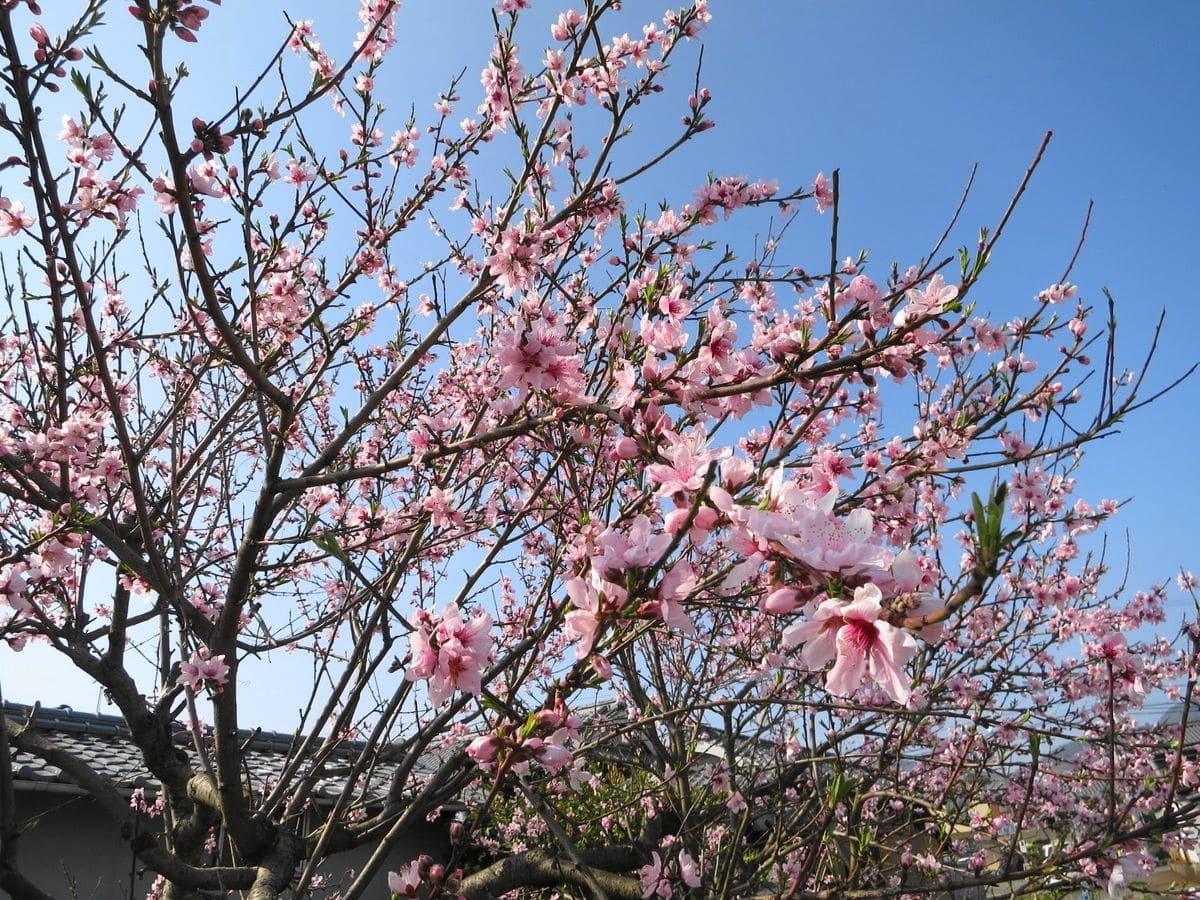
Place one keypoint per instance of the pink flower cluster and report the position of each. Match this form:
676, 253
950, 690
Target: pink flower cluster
600, 592
539, 357
547, 745
449, 653
95, 195
203, 669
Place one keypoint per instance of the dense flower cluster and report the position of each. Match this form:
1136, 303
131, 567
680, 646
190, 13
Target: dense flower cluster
583, 516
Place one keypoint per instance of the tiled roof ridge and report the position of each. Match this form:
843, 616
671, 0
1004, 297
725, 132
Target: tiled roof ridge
64, 719
104, 743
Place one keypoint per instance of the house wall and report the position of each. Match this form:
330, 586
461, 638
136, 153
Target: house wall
72, 850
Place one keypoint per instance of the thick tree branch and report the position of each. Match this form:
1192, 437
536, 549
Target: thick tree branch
607, 866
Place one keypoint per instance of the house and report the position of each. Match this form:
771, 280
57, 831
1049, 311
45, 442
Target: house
70, 848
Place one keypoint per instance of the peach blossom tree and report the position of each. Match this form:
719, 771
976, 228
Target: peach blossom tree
550, 484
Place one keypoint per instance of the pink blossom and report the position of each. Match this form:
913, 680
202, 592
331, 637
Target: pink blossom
822, 192
931, 300
205, 179
540, 358
601, 667
781, 601
626, 448
676, 586
203, 668
640, 546
583, 622
164, 194
688, 462
908, 581
13, 219
551, 752
451, 654
567, 21
298, 173
13, 586
514, 260
407, 882
484, 749
805, 527
53, 558
689, 869
654, 879
862, 644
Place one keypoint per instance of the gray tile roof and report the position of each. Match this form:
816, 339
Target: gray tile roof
104, 743
1174, 717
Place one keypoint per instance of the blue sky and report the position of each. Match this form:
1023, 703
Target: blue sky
904, 98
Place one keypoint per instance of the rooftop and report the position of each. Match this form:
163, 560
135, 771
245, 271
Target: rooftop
104, 743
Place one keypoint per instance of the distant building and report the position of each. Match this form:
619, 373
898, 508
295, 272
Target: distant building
70, 848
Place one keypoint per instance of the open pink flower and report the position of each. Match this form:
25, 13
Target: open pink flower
451, 655
928, 301
688, 461
13, 218
676, 586
583, 622
860, 642
407, 882
655, 879
203, 668
689, 869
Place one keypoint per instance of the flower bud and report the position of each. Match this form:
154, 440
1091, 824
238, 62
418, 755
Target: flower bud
781, 601
601, 667
484, 749
627, 448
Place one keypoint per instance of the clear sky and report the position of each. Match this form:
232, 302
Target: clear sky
904, 98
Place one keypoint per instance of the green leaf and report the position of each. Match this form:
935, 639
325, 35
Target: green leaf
839, 788
329, 544
977, 508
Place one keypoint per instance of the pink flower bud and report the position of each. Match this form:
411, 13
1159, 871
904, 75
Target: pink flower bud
601, 667
484, 749
548, 718
781, 601
627, 448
